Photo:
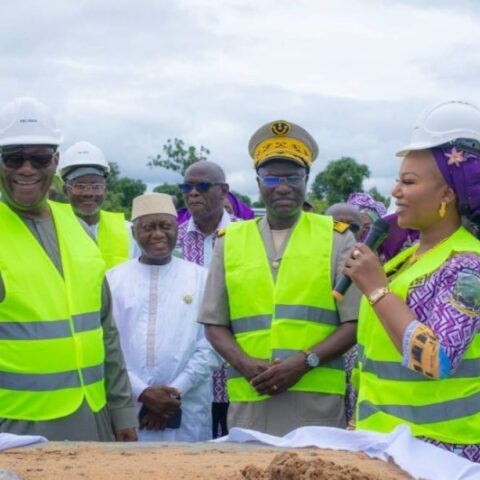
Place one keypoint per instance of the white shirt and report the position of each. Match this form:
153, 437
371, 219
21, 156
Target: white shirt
209, 240
134, 250
156, 308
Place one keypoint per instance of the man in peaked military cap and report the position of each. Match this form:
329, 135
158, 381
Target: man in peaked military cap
268, 308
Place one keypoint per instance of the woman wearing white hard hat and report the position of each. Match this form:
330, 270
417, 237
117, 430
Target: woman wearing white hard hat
84, 170
418, 337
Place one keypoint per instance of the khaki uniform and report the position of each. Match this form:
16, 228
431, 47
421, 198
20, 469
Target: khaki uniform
289, 410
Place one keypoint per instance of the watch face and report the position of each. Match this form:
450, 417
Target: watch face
313, 360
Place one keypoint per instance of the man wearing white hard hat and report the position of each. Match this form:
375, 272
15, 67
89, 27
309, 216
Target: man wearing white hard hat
84, 170
62, 373
156, 299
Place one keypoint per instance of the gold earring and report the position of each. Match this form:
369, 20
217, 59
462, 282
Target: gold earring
443, 209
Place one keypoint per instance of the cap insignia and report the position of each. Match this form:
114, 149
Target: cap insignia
280, 128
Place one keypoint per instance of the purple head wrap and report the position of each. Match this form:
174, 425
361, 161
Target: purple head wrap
240, 209
366, 201
461, 171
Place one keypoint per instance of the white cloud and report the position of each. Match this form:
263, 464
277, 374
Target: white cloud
129, 75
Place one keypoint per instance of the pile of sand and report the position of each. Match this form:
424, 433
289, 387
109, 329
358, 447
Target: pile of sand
289, 466
204, 461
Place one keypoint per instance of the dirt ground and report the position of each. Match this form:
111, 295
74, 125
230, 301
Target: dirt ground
81, 461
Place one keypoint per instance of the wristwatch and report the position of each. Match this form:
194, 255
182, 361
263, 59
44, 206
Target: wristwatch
311, 359
377, 294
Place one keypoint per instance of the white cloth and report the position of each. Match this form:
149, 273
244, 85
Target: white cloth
209, 241
134, 250
9, 440
155, 308
419, 459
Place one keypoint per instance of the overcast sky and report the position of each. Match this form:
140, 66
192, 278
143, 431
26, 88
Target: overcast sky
128, 75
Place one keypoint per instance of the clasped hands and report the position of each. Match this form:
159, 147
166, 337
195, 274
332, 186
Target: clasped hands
271, 378
162, 403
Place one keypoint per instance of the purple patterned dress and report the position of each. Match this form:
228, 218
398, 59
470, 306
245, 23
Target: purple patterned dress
448, 302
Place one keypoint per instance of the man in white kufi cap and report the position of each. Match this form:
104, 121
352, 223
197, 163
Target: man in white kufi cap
156, 299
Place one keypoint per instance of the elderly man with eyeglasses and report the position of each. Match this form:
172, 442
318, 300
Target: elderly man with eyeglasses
204, 189
84, 171
268, 308
62, 373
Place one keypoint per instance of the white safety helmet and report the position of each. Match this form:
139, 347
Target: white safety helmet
82, 154
26, 121
449, 124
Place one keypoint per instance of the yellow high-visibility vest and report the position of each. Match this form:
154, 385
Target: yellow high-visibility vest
51, 339
278, 319
113, 240
390, 394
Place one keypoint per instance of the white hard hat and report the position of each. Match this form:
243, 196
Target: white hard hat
445, 123
26, 121
82, 154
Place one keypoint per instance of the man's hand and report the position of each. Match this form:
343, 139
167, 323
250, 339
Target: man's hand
126, 435
150, 421
161, 400
250, 367
281, 375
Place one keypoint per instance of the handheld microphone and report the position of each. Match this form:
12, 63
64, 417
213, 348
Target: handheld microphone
375, 236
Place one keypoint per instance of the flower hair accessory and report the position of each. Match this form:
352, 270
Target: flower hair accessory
455, 157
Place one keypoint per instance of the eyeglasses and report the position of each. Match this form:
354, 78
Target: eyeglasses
84, 188
274, 181
200, 187
17, 159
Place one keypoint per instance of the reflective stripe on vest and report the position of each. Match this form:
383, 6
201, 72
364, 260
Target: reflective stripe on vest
389, 394
51, 381
48, 329
113, 240
51, 337
301, 315
469, 368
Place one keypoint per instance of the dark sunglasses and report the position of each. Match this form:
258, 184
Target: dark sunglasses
354, 227
274, 181
17, 159
200, 187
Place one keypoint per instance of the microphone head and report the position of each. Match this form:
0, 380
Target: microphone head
377, 233
381, 225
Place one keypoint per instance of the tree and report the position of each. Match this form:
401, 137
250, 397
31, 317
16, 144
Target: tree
121, 191
259, 203
177, 157
379, 197
171, 189
319, 205
339, 179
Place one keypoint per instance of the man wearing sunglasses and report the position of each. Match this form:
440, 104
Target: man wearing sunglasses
204, 189
267, 307
84, 171
62, 373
